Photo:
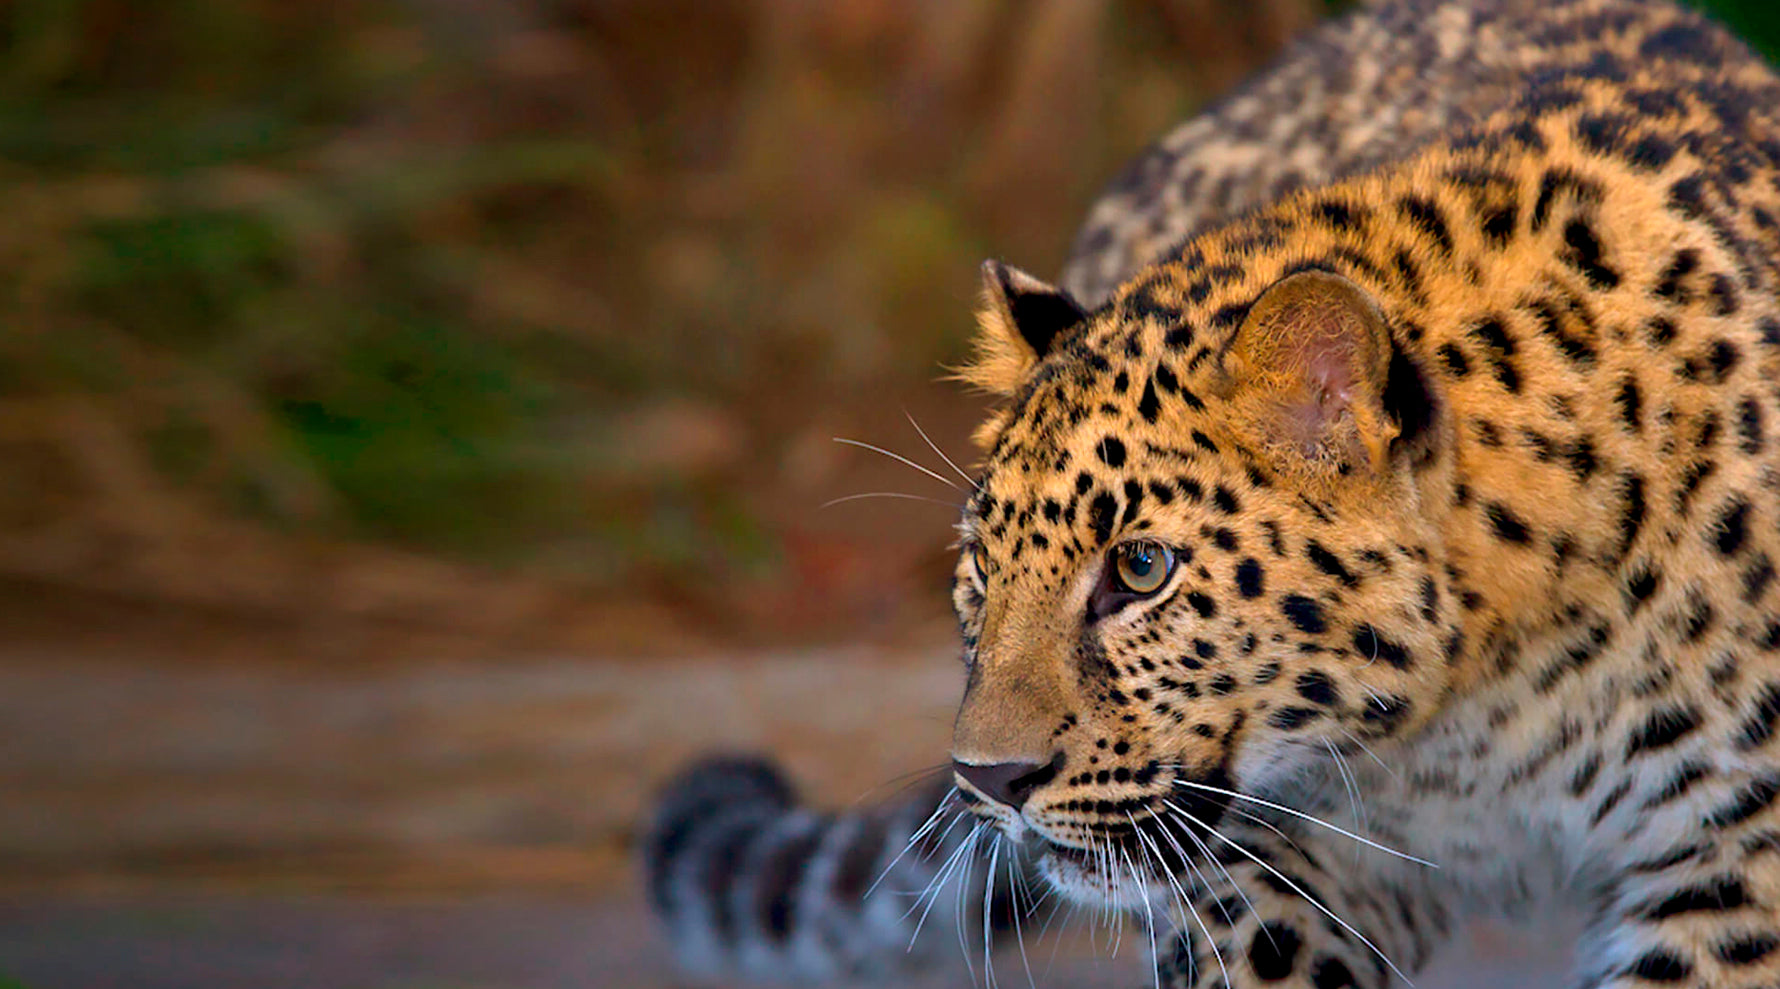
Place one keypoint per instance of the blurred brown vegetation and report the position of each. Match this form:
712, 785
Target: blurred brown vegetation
522, 314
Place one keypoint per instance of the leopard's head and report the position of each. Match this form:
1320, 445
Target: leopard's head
1202, 553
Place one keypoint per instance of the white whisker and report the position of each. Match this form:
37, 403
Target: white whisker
988, 897
1376, 699
1308, 817
932, 887
902, 783
941, 478
1067, 917
1074, 913
1187, 901
941, 453
930, 894
1246, 902
957, 819
958, 902
1355, 805
920, 832
1034, 903
1149, 915
1016, 879
1294, 887
1115, 918
1103, 910
1370, 754
1251, 816
1213, 859
883, 494
1374, 656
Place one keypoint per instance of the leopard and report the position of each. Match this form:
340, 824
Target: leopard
1377, 527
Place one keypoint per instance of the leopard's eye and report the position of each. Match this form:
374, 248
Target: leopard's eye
979, 565
1142, 568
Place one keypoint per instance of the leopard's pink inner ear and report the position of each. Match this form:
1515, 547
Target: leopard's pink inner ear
1307, 371
1021, 316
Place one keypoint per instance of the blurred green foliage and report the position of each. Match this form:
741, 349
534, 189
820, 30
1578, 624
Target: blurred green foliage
438, 273
261, 211
1756, 21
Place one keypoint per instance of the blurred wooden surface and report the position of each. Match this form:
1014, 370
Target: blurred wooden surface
545, 942
448, 774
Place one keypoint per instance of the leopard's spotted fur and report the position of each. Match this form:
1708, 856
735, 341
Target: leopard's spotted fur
1457, 412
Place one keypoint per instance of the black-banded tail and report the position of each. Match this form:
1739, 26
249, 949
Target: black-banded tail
751, 885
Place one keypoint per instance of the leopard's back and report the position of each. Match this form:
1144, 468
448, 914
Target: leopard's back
1363, 92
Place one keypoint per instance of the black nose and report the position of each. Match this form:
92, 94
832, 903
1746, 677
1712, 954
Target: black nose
1009, 783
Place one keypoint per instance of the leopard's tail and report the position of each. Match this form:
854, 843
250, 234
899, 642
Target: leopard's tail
751, 885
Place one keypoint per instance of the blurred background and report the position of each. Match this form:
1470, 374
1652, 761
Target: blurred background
417, 437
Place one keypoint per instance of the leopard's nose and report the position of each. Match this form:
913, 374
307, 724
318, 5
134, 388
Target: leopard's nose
1009, 783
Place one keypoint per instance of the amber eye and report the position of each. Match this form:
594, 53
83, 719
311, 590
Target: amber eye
1142, 568
979, 565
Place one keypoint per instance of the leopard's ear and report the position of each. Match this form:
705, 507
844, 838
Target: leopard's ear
1309, 374
1020, 318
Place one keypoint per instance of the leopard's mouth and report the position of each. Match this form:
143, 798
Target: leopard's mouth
1105, 874
1124, 865
1068, 854
1126, 862
1124, 852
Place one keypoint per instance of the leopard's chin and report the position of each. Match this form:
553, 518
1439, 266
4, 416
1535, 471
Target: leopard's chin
1082, 877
